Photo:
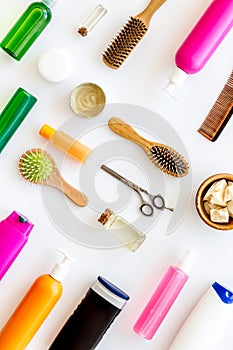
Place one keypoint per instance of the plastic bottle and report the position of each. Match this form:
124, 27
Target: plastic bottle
14, 233
66, 143
163, 298
14, 114
206, 323
90, 321
34, 308
202, 42
122, 230
27, 29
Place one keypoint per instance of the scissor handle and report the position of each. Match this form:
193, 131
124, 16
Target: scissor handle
146, 209
159, 202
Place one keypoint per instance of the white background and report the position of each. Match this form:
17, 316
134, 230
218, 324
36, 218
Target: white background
138, 82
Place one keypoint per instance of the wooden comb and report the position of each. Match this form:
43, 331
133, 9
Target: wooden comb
129, 36
220, 113
164, 157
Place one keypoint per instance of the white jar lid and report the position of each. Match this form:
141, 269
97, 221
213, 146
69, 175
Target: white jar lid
54, 65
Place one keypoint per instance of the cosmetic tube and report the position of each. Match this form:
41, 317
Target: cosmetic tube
13, 115
206, 323
163, 298
34, 308
14, 234
65, 143
202, 42
27, 29
90, 321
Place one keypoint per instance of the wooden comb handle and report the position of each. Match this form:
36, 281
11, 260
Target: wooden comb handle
148, 12
125, 130
73, 193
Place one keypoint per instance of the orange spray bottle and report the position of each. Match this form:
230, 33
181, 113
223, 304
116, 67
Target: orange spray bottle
34, 308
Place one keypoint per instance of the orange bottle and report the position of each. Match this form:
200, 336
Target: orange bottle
34, 308
66, 143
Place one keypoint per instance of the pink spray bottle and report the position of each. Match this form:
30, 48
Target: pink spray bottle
14, 233
202, 42
163, 298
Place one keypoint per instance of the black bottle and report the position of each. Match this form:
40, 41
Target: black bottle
85, 328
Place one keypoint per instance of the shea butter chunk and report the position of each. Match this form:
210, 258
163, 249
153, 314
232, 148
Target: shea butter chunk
228, 195
219, 215
218, 198
218, 186
230, 208
208, 206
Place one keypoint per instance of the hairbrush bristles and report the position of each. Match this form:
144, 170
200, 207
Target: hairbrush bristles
168, 160
35, 166
124, 43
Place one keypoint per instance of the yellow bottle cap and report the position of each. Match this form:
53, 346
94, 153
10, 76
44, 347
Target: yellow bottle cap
47, 131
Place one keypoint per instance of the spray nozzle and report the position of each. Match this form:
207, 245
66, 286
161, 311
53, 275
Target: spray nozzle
61, 269
184, 262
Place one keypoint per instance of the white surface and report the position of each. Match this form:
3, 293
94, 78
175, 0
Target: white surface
139, 82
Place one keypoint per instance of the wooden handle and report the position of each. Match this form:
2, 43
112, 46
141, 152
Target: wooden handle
73, 193
125, 130
148, 12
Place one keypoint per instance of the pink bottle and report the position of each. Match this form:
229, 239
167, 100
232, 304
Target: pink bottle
14, 233
201, 43
162, 299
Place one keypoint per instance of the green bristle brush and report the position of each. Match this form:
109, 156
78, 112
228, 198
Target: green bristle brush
38, 167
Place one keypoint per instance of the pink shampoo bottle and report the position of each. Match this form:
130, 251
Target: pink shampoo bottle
202, 42
163, 298
14, 233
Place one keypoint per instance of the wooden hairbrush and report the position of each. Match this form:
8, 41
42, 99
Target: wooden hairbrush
129, 36
38, 167
164, 157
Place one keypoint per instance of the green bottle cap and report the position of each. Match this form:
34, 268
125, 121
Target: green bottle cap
13, 114
22, 219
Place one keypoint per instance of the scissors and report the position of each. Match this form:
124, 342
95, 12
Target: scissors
146, 208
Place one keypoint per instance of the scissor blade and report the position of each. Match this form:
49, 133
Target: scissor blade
116, 175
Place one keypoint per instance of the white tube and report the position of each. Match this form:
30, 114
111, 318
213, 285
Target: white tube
204, 326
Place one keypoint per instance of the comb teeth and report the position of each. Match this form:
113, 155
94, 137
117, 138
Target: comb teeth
124, 43
35, 166
220, 113
169, 161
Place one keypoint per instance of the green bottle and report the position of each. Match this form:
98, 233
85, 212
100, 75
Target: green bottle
14, 114
27, 29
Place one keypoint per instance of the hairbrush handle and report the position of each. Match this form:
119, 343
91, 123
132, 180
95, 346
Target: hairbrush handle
73, 193
148, 12
125, 130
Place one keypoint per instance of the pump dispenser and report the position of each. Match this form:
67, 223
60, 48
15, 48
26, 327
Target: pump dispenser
163, 298
34, 308
27, 29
